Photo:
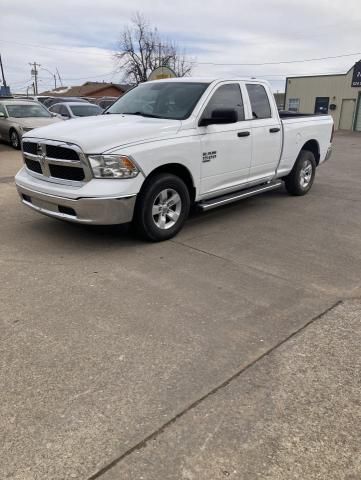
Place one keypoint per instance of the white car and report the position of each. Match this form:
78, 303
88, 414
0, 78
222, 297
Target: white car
20, 116
168, 144
75, 110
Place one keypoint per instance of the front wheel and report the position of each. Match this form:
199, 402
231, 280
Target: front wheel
301, 178
162, 207
14, 139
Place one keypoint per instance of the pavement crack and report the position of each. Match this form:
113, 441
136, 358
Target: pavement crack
155, 434
250, 267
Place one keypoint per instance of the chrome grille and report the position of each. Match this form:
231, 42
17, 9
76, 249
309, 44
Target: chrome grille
30, 147
57, 162
68, 173
63, 153
33, 165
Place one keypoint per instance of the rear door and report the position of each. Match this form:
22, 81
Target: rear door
226, 149
266, 133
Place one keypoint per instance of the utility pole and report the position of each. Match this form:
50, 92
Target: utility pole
2, 72
61, 83
34, 73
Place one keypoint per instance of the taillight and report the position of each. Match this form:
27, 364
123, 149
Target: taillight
333, 131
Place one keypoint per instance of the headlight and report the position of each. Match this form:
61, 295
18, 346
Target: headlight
113, 166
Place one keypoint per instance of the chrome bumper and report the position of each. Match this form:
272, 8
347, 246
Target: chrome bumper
97, 211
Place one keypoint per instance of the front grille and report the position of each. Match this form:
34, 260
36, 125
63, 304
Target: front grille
67, 173
62, 153
30, 147
33, 165
54, 160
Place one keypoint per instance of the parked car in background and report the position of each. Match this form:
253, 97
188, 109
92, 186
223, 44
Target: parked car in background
53, 100
20, 116
75, 109
37, 98
105, 102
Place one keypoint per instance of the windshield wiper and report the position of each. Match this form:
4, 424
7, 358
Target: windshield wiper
142, 114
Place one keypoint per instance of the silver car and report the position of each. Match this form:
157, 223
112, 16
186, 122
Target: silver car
75, 109
20, 116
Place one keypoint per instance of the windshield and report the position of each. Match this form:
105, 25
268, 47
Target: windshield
85, 110
27, 111
173, 100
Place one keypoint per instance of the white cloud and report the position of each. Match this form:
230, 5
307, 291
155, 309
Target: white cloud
78, 36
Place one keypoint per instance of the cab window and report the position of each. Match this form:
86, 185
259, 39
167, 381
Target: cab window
226, 96
259, 101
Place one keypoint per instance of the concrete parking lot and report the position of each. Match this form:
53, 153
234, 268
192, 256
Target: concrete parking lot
231, 351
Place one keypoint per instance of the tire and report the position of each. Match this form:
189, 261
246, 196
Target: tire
300, 180
162, 207
14, 139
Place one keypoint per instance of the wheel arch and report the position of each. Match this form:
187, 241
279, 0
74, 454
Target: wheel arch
14, 129
176, 169
314, 147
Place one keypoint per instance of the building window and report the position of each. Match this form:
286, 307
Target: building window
293, 104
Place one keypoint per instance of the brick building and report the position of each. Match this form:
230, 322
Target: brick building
90, 89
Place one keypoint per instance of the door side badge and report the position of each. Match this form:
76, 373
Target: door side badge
208, 156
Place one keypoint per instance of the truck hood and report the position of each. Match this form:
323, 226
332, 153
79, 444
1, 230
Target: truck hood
106, 132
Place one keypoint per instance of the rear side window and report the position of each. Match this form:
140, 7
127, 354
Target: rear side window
64, 110
259, 101
226, 96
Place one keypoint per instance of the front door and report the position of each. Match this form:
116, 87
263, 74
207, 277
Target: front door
226, 149
321, 104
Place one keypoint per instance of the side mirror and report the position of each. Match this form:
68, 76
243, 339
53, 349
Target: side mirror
2, 115
220, 116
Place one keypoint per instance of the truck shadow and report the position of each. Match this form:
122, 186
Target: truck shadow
97, 236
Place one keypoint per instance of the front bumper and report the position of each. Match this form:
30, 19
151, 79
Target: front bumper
96, 211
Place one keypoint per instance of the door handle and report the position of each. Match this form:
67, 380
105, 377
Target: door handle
243, 134
274, 130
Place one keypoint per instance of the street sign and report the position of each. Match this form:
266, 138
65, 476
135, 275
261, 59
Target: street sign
162, 72
356, 77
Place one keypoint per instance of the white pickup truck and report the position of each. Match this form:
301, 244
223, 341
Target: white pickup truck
166, 145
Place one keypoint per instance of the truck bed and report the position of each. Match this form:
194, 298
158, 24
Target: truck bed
286, 114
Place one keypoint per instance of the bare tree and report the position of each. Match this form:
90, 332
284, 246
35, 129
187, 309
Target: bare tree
141, 50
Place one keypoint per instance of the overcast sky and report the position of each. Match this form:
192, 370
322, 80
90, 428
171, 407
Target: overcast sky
79, 36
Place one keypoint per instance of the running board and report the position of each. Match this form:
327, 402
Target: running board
239, 195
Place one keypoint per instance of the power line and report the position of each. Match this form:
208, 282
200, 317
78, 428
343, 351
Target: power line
94, 76
193, 62
277, 63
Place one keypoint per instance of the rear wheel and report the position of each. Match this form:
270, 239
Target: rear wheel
162, 207
300, 180
14, 139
